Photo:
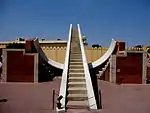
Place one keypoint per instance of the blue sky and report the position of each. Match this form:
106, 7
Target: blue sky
100, 20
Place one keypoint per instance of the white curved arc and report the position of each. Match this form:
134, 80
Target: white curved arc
102, 59
42, 54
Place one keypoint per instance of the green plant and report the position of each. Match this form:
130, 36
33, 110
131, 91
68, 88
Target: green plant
96, 45
15, 46
148, 50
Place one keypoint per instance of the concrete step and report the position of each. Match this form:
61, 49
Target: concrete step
106, 66
101, 72
76, 75
76, 66
75, 53
75, 57
77, 104
75, 49
80, 58
103, 69
77, 97
76, 60
76, 63
77, 84
76, 70
107, 63
76, 90
76, 79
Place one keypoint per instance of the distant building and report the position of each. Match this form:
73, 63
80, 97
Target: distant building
43, 42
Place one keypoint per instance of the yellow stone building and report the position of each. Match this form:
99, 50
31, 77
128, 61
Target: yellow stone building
56, 49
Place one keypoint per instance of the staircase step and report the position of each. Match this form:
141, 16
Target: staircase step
75, 50
100, 72
76, 57
75, 53
77, 84
76, 70
77, 104
76, 79
75, 67
76, 60
107, 63
76, 90
103, 69
77, 97
76, 63
76, 75
106, 66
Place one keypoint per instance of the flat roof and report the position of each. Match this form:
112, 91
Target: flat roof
40, 41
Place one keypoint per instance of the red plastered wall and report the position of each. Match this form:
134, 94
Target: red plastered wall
28, 45
129, 69
20, 68
121, 46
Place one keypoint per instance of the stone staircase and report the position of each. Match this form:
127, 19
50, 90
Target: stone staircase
77, 91
101, 72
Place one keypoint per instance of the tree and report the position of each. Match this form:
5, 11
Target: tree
15, 46
84, 39
148, 50
96, 45
138, 46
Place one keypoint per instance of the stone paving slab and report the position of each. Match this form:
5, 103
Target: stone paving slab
131, 98
37, 98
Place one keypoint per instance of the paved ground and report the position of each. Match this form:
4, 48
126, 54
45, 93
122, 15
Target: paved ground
125, 98
37, 98
28, 97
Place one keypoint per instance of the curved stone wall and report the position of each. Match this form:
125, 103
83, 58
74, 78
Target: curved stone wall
58, 53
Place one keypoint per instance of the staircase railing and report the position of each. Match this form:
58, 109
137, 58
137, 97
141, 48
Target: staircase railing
63, 86
92, 101
101, 72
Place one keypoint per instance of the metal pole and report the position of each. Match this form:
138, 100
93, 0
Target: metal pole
100, 99
3, 100
53, 99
